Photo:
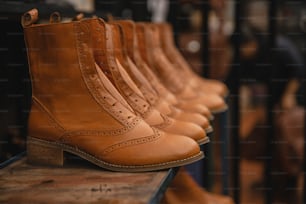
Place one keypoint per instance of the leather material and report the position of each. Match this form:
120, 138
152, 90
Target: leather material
133, 45
130, 46
213, 101
196, 108
176, 83
192, 117
201, 84
164, 123
113, 64
152, 96
184, 189
75, 107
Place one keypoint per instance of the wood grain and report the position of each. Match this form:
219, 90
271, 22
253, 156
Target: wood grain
79, 182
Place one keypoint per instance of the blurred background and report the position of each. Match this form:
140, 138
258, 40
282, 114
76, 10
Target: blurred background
258, 48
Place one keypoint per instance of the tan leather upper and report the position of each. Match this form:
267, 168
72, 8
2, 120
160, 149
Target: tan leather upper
75, 104
201, 84
112, 66
134, 49
176, 83
131, 48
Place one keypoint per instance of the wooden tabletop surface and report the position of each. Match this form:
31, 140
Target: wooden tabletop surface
79, 182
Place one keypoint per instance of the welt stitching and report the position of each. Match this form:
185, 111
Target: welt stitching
99, 161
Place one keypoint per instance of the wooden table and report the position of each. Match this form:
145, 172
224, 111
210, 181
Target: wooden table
80, 182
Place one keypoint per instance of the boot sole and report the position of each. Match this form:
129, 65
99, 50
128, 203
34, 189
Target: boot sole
203, 141
211, 118
209, 129
221, 110
52, 153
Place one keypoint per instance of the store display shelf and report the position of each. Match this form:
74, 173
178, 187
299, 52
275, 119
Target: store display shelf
80, 182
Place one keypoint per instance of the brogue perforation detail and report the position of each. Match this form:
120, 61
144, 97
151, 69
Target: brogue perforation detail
91, 78
139, 104
120, 131
108, 100
132, 142
149, 96
147, 113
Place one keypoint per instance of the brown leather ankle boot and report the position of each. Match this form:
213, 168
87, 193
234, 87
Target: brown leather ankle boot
148, 91
76, 109
175, 126
107, 52
173, 80
140, 71
176, 58
164, 94
165, 97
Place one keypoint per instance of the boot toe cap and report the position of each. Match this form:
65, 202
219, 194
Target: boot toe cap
167, 151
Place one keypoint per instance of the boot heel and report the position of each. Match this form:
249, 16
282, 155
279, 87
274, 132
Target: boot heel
43, 153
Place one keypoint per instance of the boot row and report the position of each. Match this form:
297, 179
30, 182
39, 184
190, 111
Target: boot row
117, 94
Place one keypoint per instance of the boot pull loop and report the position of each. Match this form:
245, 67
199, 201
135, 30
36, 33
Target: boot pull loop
78, 17
55, 17
29, 18
110, 17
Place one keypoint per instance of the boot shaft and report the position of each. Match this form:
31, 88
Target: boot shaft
131, 41
143, 45
160, 64
76, 109
65, 79
134, 35
140, 80
167, 43
121, 55
132, 46
113, 69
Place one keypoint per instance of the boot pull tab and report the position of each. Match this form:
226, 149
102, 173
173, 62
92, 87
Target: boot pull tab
110, 17
55, 17
29, 18
78, 17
